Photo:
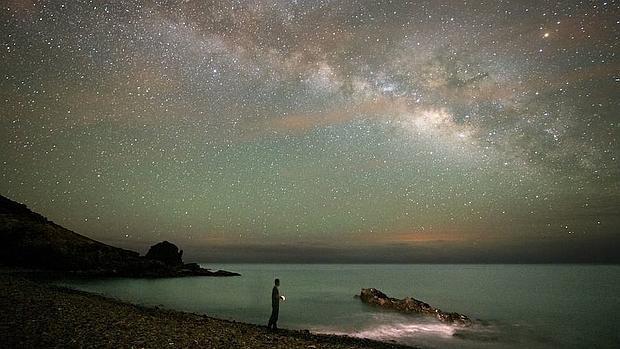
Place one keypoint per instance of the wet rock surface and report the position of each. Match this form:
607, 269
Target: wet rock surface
410, 305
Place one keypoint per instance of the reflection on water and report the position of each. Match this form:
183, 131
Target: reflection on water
533, 306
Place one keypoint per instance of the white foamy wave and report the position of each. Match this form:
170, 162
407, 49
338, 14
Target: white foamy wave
405, 330
399, 331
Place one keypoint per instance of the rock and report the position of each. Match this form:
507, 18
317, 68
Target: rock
224, 273
191, 266
29, 240
166, 252
410, 305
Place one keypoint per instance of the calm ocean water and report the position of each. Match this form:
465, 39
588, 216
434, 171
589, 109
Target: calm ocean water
520, 306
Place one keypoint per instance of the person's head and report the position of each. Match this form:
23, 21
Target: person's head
277, 282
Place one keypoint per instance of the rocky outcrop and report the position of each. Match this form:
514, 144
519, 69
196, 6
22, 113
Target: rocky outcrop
170, 255
193, 269
166, 253
410, 305
29, 240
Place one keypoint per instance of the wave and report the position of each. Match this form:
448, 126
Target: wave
397, 331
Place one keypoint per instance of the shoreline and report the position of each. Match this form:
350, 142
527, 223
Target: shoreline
39, 314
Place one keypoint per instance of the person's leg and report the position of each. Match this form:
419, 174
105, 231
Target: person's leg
276, 312
273, 317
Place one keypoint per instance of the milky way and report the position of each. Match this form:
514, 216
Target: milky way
328, 128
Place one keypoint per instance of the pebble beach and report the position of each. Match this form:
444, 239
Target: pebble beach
35, 314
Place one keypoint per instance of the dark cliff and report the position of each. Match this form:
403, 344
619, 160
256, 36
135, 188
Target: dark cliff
29, 240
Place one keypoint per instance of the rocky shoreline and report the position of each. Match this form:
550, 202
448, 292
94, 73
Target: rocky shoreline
41, 315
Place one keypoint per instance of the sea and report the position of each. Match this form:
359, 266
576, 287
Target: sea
514, 306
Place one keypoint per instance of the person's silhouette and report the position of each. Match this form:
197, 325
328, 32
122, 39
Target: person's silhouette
275, 305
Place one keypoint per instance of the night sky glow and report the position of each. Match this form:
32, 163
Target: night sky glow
402, 131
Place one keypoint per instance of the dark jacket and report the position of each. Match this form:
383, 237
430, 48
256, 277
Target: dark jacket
275, 297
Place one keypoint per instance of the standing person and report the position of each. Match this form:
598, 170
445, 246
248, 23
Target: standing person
275, 305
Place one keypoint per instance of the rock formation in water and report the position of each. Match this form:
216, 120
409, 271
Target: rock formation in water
166, 253
29, 240
410, 305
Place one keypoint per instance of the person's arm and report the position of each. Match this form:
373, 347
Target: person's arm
275, 295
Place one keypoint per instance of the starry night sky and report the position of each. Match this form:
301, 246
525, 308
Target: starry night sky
390, 131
